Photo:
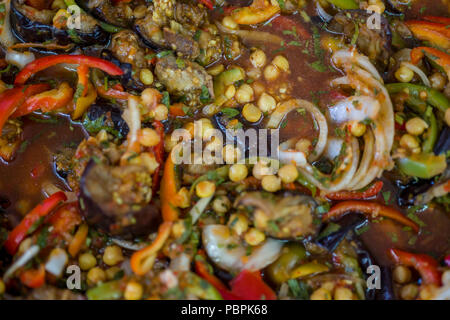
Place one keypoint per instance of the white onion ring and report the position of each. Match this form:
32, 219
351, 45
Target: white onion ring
418, 71
19, 59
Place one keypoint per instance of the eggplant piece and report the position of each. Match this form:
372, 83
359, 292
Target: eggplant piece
116, 200
347, 224
409, 191
374, 43
443, 143
120, 15
110, 115
41, 29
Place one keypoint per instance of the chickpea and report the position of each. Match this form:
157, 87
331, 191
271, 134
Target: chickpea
149, 97
140, 11
148, 137
409, 141
231, 154
261, 219
379, 4
401, 274
133, 291
271, 72
238, 172
342, 293
206, 127
271, 183
238, 223
146, 76
288, 173
447, 117
438, 81
258, 88
230, 91
58, 4
221, 204
96, 275
112, 272
260, 169
281, 62
216, 69
258, 58
251, 113
244, 94
112, 255
178, 229
205, 189
357, 128
409, 292
404, 74
416, 126
229, 23
321, 294
161, 112
266, 102
303, 145
189, 127
427, 291
87, 261
254, 237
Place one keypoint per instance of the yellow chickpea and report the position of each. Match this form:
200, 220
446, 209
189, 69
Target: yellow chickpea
404, 74
221, 204
288, 173
96, 275
303, 145
438, 81
271, 72
148, 137
409, 292
112, 255
266, 103
86, 261
231, 154
238, 172
409, 141
281, 62
205, 189
271, 183
216, 69
229, 23
254, 237
251, 113
401, 274
146, 76
238, 223
321, 294
161, 112
244, 94
342, 293
133, 291
416, 126
357, 128
230, 91
258, 58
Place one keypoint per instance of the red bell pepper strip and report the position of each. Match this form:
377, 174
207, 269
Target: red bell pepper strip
65, 219
440, 58
115, 92
250, 286
43, 209
201, 268
423, 263
371, 210
208, 3
443, 20
38, 4
429, 31
49, 61
285, 23
46, 101
158, 151
372, 191
33, 278
12, 99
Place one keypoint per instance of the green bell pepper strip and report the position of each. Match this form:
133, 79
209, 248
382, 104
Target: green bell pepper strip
200, 287
345, 4
432, 132
225, 79
106, 291
424, 165
434, 97
280, 270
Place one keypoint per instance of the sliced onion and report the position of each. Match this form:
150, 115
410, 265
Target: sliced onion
419, 72
280, 112
29, 254
19, 59
181, 262
333, 148
132, 117
56, 263
322, 13
251, 35
287, 154
355, 108
227, 252
198, 208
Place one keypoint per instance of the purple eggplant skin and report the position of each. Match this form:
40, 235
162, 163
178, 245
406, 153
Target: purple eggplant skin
27, 30
98, 209
105, 11
148, 42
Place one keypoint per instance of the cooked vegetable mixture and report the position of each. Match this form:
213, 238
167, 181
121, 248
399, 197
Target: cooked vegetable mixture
102, 102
